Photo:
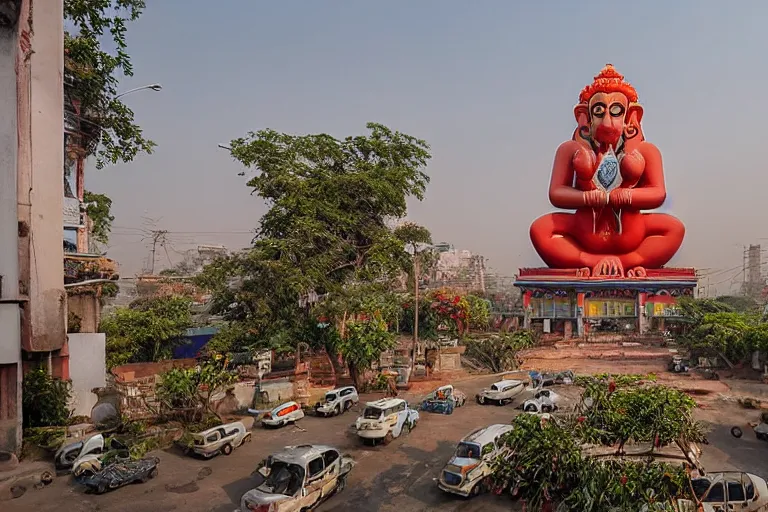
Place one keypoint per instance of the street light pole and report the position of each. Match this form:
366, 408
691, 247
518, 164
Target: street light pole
154, 87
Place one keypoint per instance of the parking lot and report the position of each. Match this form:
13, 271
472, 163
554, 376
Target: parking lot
400, 476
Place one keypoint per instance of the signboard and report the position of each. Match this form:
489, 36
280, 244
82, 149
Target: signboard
72, 215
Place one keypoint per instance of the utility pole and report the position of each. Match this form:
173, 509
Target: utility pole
156, 236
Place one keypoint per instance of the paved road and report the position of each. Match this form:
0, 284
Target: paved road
399, 477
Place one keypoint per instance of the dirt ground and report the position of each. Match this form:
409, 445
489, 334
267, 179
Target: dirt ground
402, 476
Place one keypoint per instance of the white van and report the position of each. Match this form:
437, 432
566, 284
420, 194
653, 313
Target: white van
385, 419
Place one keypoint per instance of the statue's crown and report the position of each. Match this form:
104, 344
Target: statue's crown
607, 81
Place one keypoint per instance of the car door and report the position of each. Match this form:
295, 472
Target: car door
313, 482
345, 398
331, 459
402, 417
737, 489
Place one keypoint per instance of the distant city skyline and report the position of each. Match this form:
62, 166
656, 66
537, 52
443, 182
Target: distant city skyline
491, 86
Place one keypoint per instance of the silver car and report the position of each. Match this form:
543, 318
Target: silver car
337, 401
298, 478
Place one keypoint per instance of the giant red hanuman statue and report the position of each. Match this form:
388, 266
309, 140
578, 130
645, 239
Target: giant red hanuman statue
608, 173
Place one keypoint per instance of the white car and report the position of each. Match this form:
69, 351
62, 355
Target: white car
501, 393
385, 419
221, 439
736, 491
544, 400
337, 401
298, 478
466, 472
283, 414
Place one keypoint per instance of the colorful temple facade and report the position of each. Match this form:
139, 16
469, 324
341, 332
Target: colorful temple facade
606, 259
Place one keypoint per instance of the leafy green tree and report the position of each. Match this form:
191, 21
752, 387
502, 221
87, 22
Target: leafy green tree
326, 228
362, 345
188, 391
714, 326
91, 77
147, 330
98, 208
45, 400
547, 464
479, 313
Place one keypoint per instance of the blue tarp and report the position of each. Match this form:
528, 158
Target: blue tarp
196, 339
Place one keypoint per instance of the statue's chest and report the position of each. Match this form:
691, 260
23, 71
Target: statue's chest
608, 176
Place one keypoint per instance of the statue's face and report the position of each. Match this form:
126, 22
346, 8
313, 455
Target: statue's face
607, 112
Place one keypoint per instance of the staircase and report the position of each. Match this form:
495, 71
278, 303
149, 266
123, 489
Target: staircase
321, 371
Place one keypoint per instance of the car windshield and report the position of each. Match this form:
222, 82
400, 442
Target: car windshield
284, 478
494, 388
372, 413
468, 451
330, 397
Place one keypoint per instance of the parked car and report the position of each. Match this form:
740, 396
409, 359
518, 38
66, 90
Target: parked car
735, 490
221, 439
550, 379
466, 472
444, 400
544, 400
283, 414
501, 393
298, 478
679, 365
385, 419
337, 401
761, 429
66, 456
99, 478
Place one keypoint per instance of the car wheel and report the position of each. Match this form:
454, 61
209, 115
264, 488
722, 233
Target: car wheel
530, 408
341, 483
546, 408
406, 428
337, 411
481, 400
500, 402
153, 473
388, 438
347, 405
761, 436
101, 488
475, 490
736, 432
226, 449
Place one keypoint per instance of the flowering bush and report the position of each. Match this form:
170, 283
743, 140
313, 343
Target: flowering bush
452, 311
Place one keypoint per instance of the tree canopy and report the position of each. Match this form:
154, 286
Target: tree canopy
91, 77
98, 208
326, 231
147, 330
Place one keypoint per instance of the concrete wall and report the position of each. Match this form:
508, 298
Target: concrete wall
10, 352
87, 369
40, 185
87, 306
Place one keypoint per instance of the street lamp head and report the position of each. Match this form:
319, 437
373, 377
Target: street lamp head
155, 87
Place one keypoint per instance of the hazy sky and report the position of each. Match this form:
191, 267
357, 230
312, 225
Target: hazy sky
490, 85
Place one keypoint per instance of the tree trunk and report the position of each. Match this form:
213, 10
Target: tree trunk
354, 374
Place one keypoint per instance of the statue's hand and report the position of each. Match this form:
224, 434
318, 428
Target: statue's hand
584, 163
632, 167
620, 197
595, 197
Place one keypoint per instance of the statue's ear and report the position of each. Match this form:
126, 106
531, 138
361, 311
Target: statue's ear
581, 113
633, 120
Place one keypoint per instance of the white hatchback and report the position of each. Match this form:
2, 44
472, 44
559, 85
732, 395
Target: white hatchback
385, 419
